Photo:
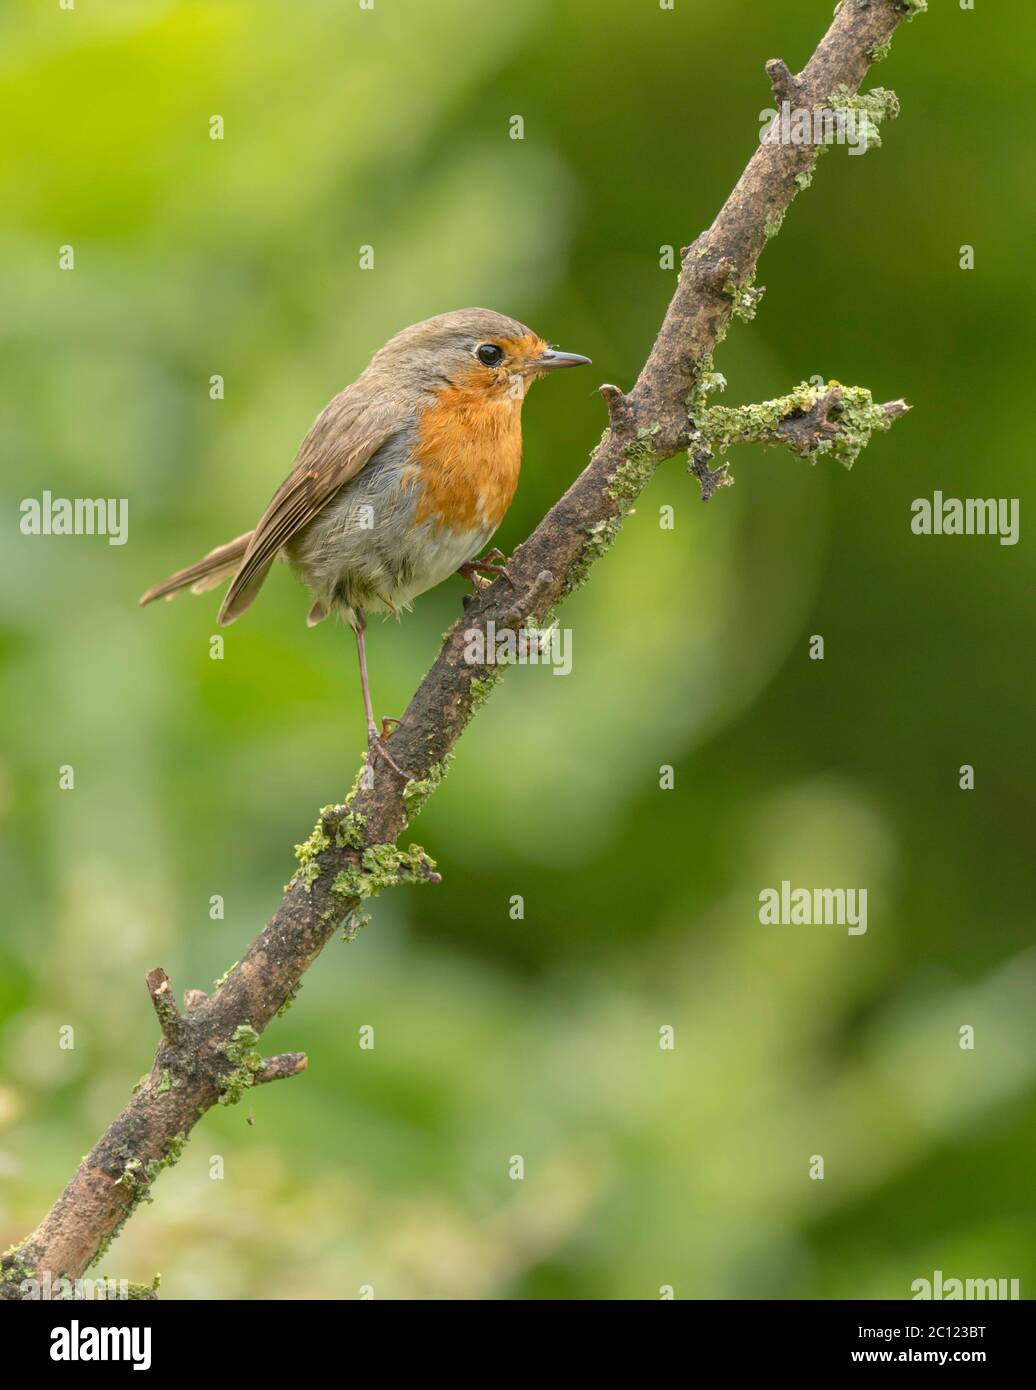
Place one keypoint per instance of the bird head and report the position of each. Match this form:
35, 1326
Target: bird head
473, 350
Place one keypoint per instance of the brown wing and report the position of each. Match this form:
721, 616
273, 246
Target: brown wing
345, 436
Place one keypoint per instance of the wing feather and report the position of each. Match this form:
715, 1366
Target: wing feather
343, 439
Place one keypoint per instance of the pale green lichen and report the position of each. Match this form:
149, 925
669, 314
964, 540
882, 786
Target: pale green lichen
380, 866
171, 1152
134, 1177
137, 1177
857, 418
804, 178
418, 789
774, 222
633, 476
317, 842
383, 866
218, 984
912, 8
869, 110
482, 687
242, 1053
707, 380
600, 537
292, 995
746, 298
309, 852
627, 483
880, 51
144, 1291
126, 1288
14, 1269
165, 1008
353, 923
349, 830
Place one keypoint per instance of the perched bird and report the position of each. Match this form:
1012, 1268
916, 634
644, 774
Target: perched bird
401, 482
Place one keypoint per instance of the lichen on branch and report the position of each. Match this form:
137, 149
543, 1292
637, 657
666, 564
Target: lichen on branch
810, 420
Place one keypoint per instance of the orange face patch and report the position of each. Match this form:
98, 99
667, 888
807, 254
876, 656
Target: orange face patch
513, 372
521, 351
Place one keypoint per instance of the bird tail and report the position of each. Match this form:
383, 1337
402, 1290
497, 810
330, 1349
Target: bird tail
209, 571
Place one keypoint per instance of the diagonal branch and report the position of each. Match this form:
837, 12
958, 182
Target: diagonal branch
207, 1054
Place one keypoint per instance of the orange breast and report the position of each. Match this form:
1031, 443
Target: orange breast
468, 456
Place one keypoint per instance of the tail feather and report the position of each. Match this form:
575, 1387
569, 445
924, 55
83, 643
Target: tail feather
205, 574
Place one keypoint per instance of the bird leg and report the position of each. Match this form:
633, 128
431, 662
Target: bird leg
474, 570
375, 740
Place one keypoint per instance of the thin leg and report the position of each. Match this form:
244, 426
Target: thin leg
360, 627
375, 740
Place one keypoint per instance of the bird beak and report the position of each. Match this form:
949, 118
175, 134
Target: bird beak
552, 359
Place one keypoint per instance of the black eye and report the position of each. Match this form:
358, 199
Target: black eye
489, 354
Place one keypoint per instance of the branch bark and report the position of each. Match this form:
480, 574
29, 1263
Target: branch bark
207, 1053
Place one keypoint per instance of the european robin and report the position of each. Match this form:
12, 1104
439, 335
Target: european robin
401, 482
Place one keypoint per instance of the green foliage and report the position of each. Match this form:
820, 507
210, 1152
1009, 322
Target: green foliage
194, 776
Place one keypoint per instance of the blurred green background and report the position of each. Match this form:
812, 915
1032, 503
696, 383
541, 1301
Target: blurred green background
194, 777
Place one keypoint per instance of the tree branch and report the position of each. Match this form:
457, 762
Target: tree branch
278, 1068
207, 1054
810, 421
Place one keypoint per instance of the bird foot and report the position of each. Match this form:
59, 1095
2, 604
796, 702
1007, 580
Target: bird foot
376, 748
476, 570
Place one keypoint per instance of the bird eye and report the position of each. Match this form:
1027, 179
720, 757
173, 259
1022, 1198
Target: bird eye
489, 354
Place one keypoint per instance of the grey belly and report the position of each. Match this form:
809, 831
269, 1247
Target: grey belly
364, 549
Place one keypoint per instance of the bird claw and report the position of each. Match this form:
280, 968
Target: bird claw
376, 748
476, 570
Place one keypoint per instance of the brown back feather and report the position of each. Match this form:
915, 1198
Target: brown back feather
344, 437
